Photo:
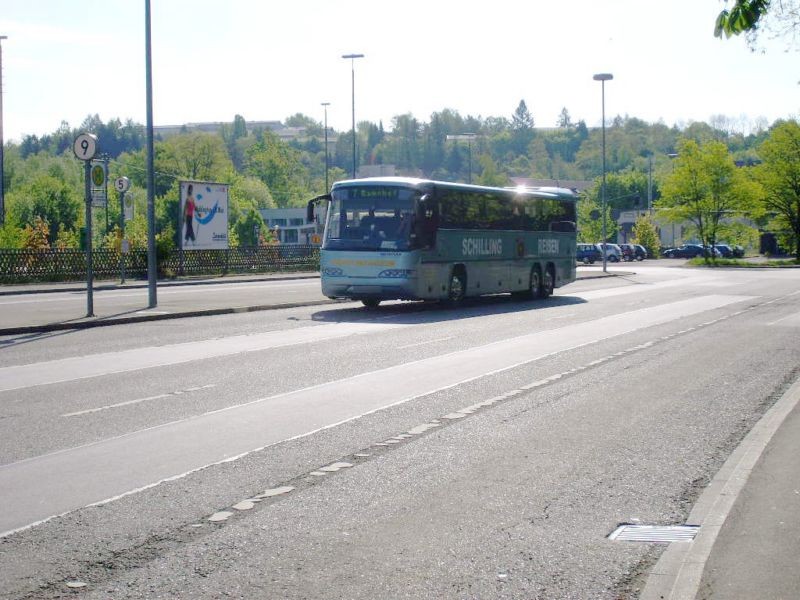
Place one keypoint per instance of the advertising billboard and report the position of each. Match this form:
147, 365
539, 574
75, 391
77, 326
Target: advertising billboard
203, 215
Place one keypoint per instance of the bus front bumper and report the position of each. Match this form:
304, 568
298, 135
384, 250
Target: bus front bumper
383, 290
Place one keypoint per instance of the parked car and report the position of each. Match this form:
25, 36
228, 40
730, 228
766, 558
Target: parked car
729, 251
633, 252
613, 252
588, 254
690, 251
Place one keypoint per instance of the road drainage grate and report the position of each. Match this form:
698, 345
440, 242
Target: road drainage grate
658, 534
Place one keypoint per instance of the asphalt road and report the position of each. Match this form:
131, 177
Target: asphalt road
414, 451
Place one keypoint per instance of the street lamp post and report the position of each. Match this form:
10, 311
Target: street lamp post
326, 105
2, 142
602, 78
353, 58
152, 298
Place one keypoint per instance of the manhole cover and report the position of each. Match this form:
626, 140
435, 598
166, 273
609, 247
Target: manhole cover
658, 534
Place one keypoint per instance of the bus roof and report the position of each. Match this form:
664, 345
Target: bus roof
541, 192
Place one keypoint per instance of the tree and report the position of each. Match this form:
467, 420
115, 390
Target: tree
312, 126
113, 137
407, 151
232, 134
705, 188
624, 191
196, 156
590, 221
490, 174
780, 176
279, 166
247, 196
48, 198
247, 224
36, 236
521, 128
645, 234
11, 236
781, 18
564, 120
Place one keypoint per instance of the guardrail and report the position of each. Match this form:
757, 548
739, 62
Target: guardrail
28, 266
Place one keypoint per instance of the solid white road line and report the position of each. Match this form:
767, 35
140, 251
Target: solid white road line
95, 365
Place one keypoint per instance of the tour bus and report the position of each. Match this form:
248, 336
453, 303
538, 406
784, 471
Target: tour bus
388, 238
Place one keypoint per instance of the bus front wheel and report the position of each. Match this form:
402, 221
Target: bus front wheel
371, 302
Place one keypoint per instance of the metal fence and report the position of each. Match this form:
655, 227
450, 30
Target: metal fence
26, 266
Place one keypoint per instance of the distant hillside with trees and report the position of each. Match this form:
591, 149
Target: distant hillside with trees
269, 168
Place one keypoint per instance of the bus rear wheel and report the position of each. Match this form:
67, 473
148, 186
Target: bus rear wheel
371, 302
535, 289
548, 283
458, 287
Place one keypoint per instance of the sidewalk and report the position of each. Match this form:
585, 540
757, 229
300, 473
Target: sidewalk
748, 542
63, 306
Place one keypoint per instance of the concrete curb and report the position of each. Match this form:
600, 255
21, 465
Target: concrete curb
679, 571
155, 317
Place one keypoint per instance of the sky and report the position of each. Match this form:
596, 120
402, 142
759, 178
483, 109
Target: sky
213, 59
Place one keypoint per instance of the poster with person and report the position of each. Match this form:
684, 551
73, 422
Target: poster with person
203, 215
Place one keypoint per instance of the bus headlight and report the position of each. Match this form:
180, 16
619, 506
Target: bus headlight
332, 272
397, 273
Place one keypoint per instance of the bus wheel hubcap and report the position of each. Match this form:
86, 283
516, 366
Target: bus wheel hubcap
535, 283
456, 288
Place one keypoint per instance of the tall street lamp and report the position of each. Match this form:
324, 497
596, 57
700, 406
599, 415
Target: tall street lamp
2, 142
152, 299
326, 105
353, 58
602, 78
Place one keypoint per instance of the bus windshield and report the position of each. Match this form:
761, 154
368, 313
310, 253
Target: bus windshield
371, 218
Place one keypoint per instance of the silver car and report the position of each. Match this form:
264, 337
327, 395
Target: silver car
613, 252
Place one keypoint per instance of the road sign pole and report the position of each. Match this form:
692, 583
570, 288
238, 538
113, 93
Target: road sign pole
85, 147
121, 237
87, 167
122, 185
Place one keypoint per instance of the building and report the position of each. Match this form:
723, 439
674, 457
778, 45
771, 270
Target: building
286, 134
289, 225
376, 171
671, 234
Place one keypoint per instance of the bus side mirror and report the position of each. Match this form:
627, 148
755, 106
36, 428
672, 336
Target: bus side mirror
310, 212
310, 206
